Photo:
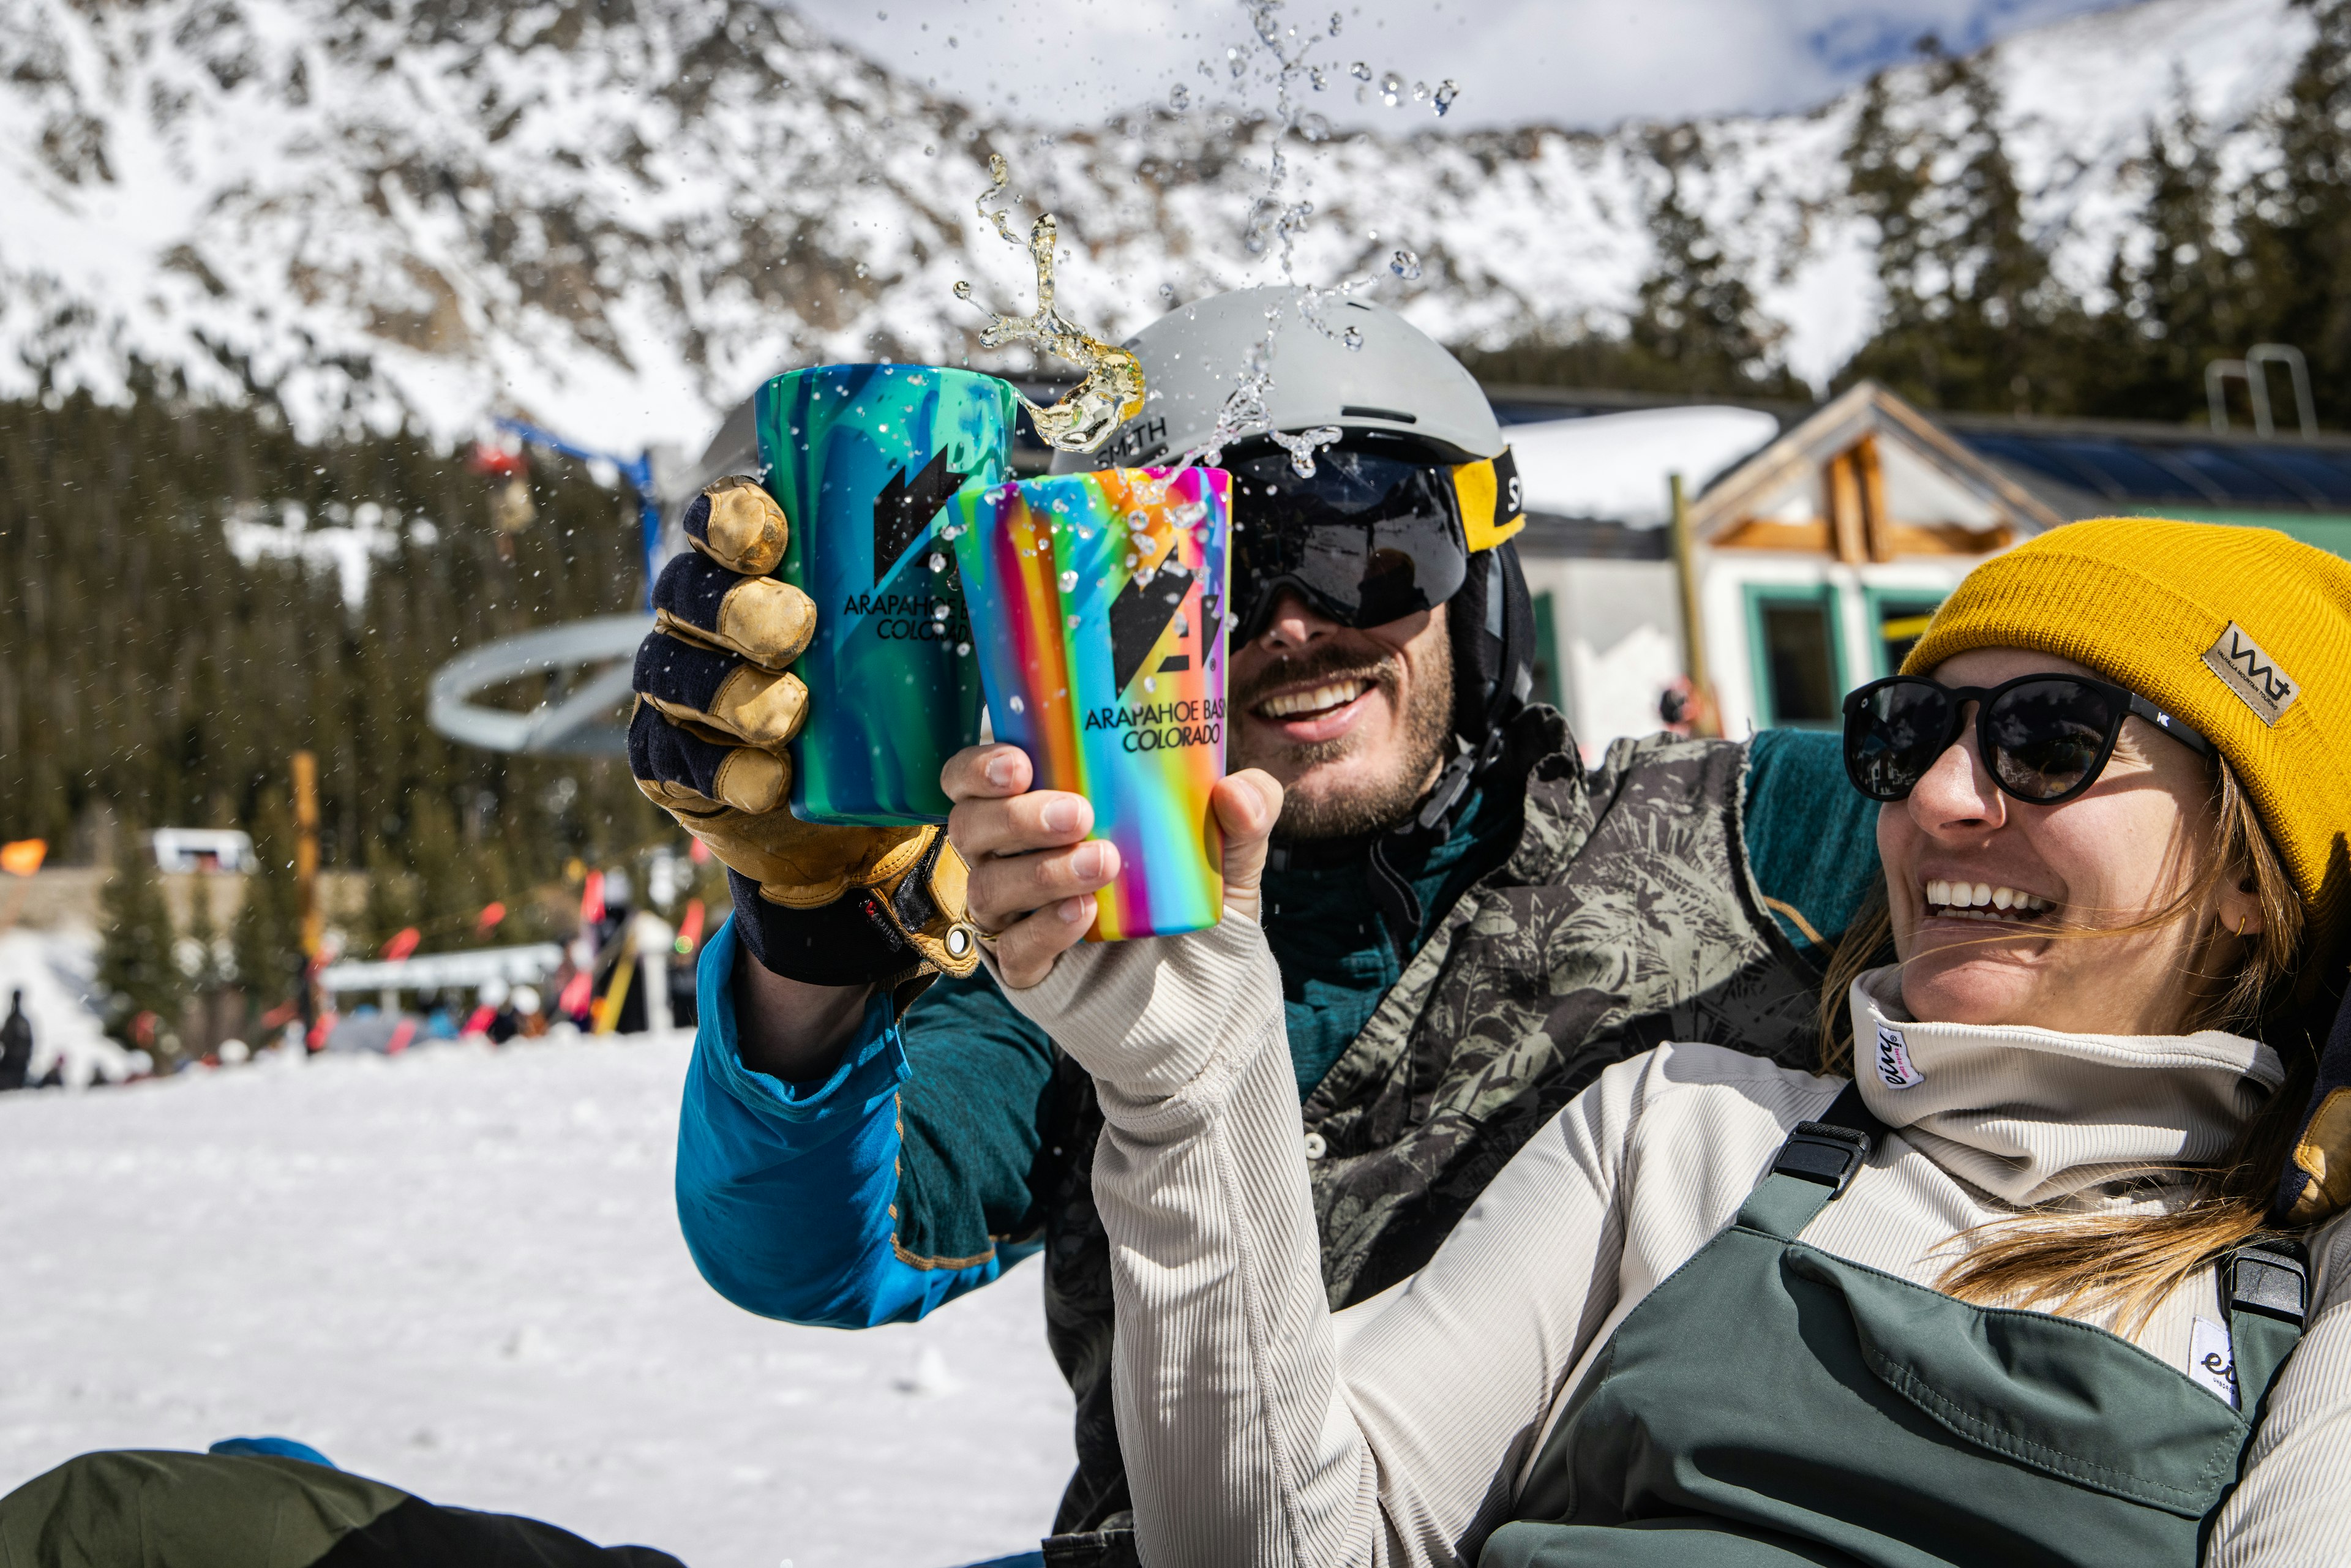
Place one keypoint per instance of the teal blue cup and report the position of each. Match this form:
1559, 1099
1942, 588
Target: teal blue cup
865, 459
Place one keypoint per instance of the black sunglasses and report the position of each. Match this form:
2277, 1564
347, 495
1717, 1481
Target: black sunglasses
2045, 738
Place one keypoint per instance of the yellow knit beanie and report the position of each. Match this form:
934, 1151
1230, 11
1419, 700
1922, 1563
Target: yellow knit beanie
2243, 633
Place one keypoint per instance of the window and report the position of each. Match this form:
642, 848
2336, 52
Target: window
1898, 621
1799, 678
1546, 670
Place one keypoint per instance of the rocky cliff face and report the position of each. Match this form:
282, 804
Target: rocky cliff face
617, 215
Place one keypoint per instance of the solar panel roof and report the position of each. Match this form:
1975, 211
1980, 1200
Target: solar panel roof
2205, 473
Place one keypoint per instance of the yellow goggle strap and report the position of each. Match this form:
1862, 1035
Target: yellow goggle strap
1489, 497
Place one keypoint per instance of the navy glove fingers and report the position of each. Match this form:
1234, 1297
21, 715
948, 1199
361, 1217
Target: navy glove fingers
765, 619
737, 524
723, 693
694, 777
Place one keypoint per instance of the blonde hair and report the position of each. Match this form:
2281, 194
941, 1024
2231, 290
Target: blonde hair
2129, 1263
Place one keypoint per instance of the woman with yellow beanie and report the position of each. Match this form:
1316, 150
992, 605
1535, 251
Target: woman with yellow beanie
2041, 1267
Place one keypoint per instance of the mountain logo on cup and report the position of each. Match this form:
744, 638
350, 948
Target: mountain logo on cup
1139, 615
903, 510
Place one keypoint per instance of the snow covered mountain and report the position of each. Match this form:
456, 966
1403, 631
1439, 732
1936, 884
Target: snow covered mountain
618, 216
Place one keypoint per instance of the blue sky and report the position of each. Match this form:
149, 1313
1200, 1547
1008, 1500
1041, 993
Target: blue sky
1574, 62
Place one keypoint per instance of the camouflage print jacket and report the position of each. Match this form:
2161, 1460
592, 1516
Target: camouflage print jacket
1628, 913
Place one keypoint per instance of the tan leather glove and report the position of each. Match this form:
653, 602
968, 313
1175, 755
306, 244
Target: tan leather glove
715, 706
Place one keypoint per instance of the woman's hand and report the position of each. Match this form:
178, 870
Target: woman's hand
1034, 872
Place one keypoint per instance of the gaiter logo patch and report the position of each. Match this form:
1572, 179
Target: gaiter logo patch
2251, 674
1894, 1065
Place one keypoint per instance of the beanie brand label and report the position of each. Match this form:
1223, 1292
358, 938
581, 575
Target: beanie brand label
2251, 674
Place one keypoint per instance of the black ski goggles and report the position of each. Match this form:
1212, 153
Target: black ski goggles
2045, 738
1371, 537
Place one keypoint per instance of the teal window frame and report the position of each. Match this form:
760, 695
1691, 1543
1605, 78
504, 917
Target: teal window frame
1877, 601
1824, 595
1547, 671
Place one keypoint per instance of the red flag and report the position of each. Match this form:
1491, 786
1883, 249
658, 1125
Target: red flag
576, 994
592, 900
492, 914
403, 942
697, 852
689, 930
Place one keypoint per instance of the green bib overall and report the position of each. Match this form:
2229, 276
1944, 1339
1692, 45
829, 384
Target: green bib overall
1770, 1405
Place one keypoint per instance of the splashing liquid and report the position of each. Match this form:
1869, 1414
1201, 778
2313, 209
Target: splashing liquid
1112, 391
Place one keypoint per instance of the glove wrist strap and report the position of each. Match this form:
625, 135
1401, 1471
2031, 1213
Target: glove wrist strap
849, 942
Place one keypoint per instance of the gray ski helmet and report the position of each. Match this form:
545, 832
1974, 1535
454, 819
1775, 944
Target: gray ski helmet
1398, 378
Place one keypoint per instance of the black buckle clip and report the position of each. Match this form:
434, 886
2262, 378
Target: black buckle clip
2268, 1280
1824, 1153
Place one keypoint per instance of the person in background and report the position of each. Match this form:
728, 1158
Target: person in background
530, 1014
16, 1044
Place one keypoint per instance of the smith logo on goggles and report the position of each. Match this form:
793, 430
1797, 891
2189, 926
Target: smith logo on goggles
1370, 538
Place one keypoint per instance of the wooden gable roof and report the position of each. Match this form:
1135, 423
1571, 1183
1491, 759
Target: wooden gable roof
1867, 477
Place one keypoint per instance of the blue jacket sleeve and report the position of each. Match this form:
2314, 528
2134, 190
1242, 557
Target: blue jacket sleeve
893, 1186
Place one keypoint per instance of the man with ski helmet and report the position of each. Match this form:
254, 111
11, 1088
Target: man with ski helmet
1469, 923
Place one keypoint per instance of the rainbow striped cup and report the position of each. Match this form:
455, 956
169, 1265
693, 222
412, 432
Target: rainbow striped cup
1097, 604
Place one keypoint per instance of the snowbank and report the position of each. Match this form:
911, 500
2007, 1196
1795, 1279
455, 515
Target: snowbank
1614, 466
459, 1270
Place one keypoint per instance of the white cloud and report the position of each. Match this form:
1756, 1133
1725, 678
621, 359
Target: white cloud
1573, 62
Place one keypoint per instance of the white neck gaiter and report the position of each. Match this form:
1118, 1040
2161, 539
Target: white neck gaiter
2030, 1114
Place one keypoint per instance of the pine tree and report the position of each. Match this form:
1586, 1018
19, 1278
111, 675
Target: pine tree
268, 938
1699, 326
2296, 285
2177, 306
138, 964
1975, 316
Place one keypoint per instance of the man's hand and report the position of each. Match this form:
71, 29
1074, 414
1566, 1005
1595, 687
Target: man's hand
1034, 872
715, 708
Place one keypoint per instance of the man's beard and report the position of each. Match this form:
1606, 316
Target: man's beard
1422, 735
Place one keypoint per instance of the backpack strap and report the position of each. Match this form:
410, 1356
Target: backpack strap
1813, 1168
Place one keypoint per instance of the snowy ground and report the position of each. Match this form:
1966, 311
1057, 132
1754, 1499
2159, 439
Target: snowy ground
459, 1270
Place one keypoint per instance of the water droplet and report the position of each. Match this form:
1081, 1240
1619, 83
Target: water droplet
1361, 70
1073, 622
939, 612
929, 150
1404, 264
1167, 292
1390, 90
1016, 705
1314, 127
1150, 683
962, 289
937, 563
1069, 582
1138, 521
1420, 92
1314, 74
1353, 337
1183, 624
1179, 98
1335, 20
1447, 91
962, 650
